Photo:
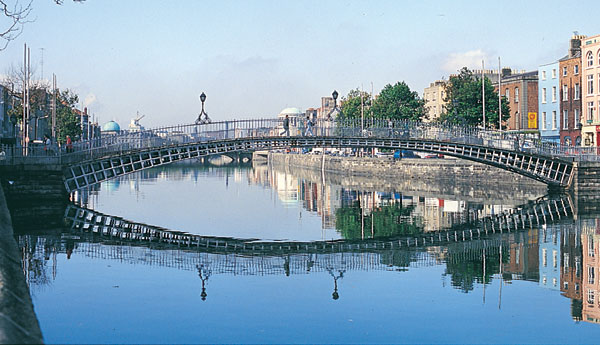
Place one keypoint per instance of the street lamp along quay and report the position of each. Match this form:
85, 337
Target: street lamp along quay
203, 116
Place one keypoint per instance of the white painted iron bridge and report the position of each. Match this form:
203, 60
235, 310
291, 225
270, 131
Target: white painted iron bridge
106, 157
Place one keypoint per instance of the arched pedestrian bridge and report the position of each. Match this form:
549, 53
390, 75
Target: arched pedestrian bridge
114, 155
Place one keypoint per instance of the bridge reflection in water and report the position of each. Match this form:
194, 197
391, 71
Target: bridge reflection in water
545, 242
523, 249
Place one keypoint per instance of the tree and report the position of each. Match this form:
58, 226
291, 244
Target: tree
67, 121
351, 105
18, 14
385, 219
399, 102
464, 101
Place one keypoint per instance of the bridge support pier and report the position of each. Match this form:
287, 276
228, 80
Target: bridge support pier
585, 186
34, 194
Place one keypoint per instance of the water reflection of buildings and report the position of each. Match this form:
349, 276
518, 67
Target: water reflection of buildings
590, 244
325, 199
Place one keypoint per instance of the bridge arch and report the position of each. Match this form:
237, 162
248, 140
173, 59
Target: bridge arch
556, 172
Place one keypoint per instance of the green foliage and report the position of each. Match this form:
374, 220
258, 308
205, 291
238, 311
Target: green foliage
465, 106
386, 220
466, 268
67, 121
399, 102
351, 105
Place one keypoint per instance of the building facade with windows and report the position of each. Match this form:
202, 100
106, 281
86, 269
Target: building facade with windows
590, 97
521, 91
590, 239
548, 98
570, 94
434, 97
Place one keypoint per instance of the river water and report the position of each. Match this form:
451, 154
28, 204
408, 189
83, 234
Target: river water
535, 285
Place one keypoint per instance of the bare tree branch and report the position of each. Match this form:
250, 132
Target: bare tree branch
17, 15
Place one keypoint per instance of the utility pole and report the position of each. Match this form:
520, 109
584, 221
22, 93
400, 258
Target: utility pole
42, 63
499, 95
24, 95
483, 89
54, 106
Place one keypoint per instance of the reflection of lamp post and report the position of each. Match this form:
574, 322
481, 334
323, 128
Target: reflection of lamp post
203, 116
335, 295
204, 274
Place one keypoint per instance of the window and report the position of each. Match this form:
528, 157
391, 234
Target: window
590, 112
590, 297
590, 238
565, 119
565, 93
590, 84
554, 261
554, 120
544, 257
576, 91
576, 117
543, 75
576, 69
554, 73
554, 94
590, 59
565, 71
543, 95
516, 95
544, 126
591, 275
599, 57
507, 95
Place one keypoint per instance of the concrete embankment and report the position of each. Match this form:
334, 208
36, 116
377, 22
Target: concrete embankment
441, 178
18, 322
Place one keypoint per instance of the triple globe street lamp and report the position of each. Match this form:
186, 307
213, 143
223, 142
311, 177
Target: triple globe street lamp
203, 116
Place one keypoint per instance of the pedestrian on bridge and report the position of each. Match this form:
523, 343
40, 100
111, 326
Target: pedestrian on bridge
286, 126
47, 144
69, 144
309, 127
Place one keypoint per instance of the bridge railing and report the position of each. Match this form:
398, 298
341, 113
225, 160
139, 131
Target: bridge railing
107, 145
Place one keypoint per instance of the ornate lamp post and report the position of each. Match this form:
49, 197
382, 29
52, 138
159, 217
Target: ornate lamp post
335, 96
203, 116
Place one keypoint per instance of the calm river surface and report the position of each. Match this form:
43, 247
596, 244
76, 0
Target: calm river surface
539, 285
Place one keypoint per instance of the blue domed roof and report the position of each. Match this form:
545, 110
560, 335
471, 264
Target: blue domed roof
111, 126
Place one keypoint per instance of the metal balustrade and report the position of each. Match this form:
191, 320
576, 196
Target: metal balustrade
92, 161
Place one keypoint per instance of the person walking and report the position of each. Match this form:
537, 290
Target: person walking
47, 144
286, 126
69, 144
309, 127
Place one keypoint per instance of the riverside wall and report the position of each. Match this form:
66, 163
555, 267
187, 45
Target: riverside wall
441, 178
18, 322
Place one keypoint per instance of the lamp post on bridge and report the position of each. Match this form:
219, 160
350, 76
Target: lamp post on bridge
203, 116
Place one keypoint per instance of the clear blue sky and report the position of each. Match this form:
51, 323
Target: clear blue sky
254, 58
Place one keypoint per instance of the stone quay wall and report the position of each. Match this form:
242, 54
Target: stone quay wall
18, 322
442, 178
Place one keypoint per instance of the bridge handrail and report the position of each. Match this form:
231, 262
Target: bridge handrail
273, 127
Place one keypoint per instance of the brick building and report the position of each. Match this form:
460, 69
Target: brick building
570, 94
521, 91
590, 81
